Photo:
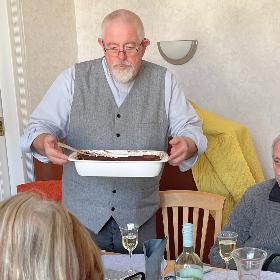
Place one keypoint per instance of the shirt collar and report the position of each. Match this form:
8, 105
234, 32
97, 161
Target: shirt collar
275, 193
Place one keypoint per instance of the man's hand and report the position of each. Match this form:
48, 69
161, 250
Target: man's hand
182, 148
46, 144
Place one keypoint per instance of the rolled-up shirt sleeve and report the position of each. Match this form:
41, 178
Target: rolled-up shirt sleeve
183, 119
52, 114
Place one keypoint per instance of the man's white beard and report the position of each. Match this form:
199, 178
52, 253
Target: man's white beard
123, 76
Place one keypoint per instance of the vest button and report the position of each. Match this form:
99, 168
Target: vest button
113, 208
118, 135
118, 115
114, 191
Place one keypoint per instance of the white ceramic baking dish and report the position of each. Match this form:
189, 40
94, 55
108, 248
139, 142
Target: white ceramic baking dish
121, 168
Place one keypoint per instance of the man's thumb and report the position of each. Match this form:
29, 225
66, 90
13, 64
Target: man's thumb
174, 141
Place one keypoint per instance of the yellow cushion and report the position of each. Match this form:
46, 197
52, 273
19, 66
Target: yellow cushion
230, 164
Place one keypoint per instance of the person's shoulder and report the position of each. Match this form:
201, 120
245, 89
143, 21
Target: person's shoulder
88, 63
153, 65
169, 73
67, 74
261, 188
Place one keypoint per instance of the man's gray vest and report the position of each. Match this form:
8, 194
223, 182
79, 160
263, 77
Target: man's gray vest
96, 122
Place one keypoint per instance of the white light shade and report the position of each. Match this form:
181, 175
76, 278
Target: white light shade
177, 52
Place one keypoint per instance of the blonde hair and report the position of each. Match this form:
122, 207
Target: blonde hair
39, 239
127, 17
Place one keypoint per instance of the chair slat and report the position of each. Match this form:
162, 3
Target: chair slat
175, 229
165, 227
203, 232
195, 222
218, 222
185, 215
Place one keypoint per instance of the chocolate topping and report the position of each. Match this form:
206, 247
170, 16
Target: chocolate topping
119, 158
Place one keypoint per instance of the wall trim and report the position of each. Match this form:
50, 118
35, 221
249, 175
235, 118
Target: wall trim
21, 85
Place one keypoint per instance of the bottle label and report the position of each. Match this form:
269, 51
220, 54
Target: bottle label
190, 273
187, 243
187, 239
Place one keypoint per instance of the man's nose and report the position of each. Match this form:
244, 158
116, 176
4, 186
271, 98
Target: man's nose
122, 54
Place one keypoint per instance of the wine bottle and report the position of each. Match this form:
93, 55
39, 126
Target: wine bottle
188, 265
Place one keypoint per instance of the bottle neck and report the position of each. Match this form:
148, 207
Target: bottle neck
187, 241
188, 249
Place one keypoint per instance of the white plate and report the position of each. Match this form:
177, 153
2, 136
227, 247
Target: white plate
119, 168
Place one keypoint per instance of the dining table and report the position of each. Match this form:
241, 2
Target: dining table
117, 263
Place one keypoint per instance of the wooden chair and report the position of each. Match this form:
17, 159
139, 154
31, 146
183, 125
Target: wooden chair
51, 189
190, 202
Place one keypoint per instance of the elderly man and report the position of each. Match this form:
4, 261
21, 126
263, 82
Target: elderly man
115, 102
256, 218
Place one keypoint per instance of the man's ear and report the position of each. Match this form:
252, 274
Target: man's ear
100, 41
146, 42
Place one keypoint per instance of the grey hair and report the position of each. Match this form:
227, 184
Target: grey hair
275, 141
125, 16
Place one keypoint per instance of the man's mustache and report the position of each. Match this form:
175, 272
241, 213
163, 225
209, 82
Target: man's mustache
126, 63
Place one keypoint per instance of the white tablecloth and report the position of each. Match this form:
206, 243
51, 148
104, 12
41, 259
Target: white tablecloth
113, 263
233, 275
121, 262
115, 266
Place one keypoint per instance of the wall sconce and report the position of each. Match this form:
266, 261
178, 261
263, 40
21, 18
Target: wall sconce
177, 52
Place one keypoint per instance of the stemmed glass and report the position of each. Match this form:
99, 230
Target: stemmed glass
227, 243
129, 234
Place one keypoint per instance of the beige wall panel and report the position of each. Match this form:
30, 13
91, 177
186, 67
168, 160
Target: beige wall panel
235, 71
51, 43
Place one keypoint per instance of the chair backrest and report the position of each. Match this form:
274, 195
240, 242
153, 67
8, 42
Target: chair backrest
190, 202
51, 189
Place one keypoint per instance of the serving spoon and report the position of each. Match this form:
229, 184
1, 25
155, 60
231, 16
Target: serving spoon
70, 148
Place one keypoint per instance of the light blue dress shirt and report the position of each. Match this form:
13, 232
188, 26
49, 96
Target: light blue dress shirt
52, 115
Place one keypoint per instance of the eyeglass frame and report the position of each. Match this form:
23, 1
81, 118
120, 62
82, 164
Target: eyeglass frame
123, 51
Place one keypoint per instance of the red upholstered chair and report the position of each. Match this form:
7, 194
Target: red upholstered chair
50, 189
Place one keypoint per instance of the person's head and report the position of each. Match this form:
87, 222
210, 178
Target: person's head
276, 158
39, 239
123, 43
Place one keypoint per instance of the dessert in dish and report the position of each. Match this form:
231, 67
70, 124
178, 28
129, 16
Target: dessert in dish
92, 156
119, 163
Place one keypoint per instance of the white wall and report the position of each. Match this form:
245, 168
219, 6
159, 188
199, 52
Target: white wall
234, 71
50, 42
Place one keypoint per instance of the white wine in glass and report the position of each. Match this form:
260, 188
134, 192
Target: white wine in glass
129, 234
130, 242
226, 247
227, 243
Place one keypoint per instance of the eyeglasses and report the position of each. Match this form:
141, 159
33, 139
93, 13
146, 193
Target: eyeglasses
128, 49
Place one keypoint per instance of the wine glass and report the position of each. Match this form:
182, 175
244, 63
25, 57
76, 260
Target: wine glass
129, 234
227, 243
